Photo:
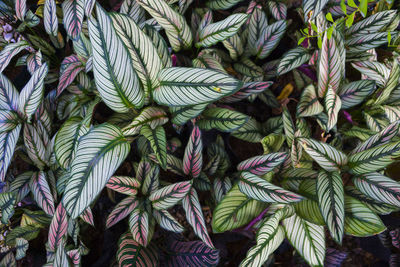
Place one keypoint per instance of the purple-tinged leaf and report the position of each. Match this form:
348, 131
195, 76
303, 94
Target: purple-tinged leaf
130, 253
89, 4
143, 169
193, 158
20, 9
251, 88
168, 196
334, 258
73, 11
139, 225
75, 256
87, 216
70, 68
41, 192
121, 210
395, 234
394, 260
151, 181
260, 165
278, 9
329, 68
193, 253
50, 17
34, 61
195, 217
269, 39
124, 185
332, 107
8, 94
58, 227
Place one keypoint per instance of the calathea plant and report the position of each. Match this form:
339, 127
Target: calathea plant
144, 110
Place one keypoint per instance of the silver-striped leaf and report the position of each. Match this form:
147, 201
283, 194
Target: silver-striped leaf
293, 59
332, 106
158, 142
222, 119
98, 154
116, 80
269, 39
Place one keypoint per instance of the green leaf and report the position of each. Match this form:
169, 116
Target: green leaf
174, 24
119, 89
28, 232
325, 155
288, 126
157, 141
222, 119
221, 30
191, 86
251, 132
363, 7
391, 83
235, 210
374, 158
350, 19
309, 210
98, 155
361, 221
183, 114
307, 238
331, 202
259, 189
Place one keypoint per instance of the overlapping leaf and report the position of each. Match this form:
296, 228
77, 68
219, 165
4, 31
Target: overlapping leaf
121, 210
222, 119
58, 227
193, 157
260, 165
73, 11
124, 184
269, 39
98, 154
157, 141
170, 195
131, 253
41, 192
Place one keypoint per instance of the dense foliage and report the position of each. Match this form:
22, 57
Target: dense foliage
151, 104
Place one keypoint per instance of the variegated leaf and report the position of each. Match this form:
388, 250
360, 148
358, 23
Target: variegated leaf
7, 202
312, 8
329, 66
373, 70
157, 141
372, 24
170, 195
175, 25
354, 93
391, 83
153, 116
222, 119
360, 220
293, 59
139, 225
330, 194
119, 87
132, 253
193, 86
278, 10
195, 217
70, 68
259, 189
50, 17
379, 187
58, 227
222, 4
167, 221
98, 154
221, 30
32, 94
145, 59
9, 51
124, 184
307, 238
248, 89
21, 246
133, 10
42, 193
160, 45
73, 13
269, 237
121, 210
325, 155
151, 181
332, 107
269, 39
256, 24
260, 165
374, 158
309, 104
221, 188
235, 210
193, 157
67, 139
